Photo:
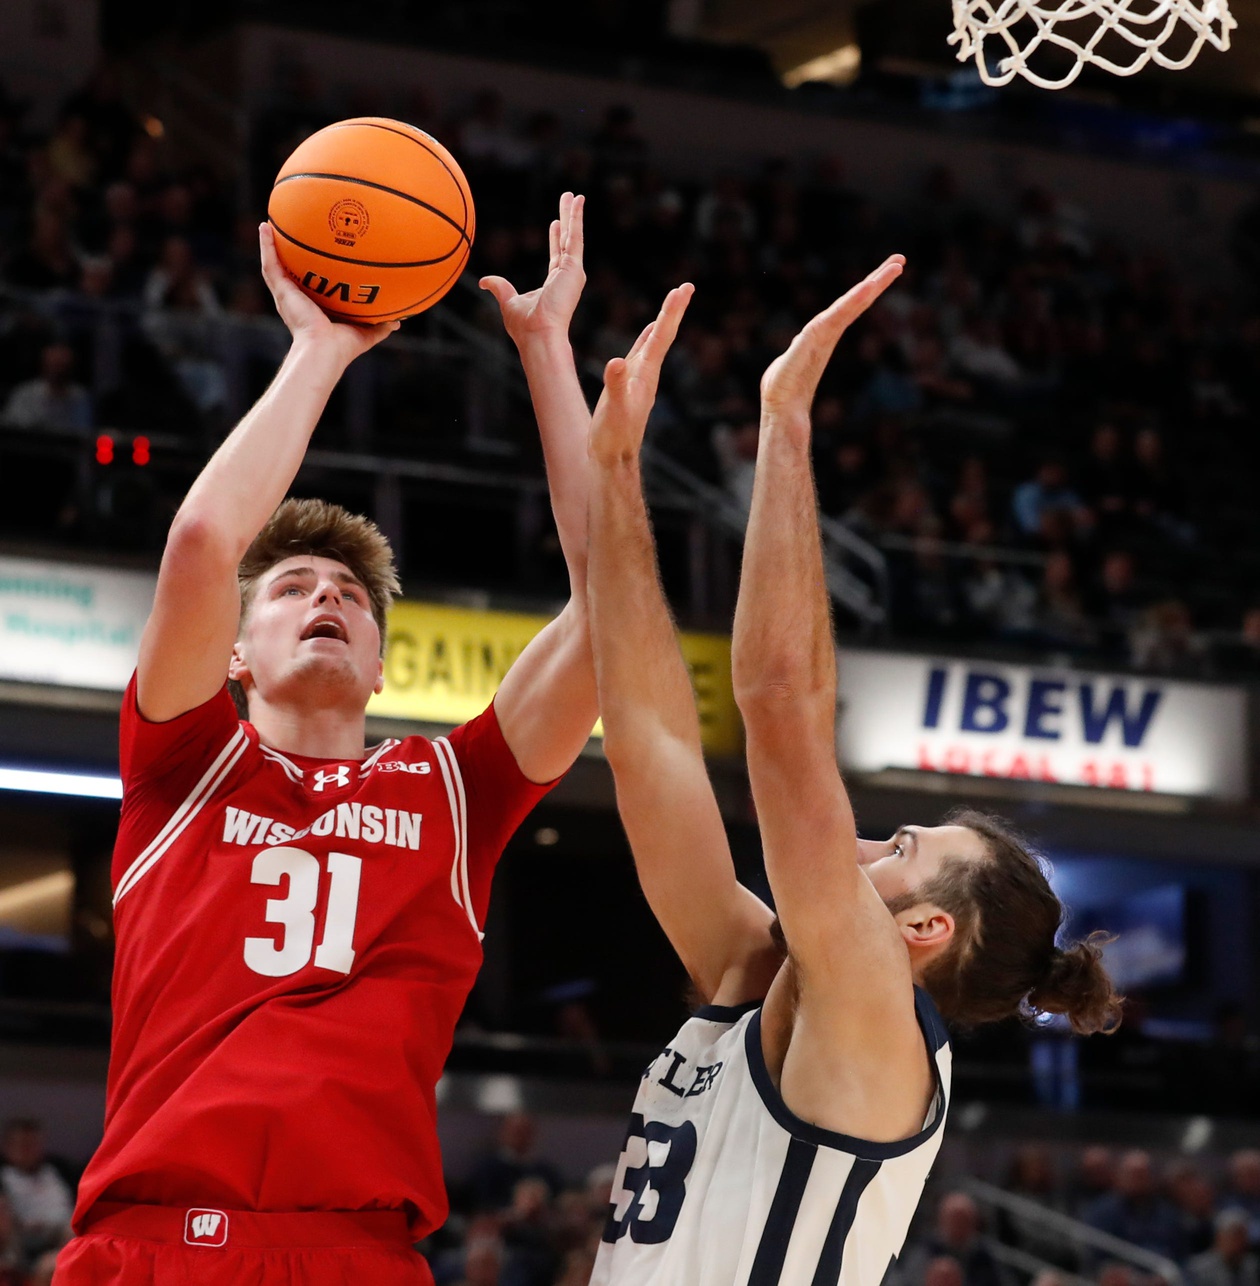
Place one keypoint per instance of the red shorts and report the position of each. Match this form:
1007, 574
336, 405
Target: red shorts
125, 1245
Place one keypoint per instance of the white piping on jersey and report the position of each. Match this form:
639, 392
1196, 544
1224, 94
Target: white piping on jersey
214, 777
388, 744
294, 773
291, 770
454, 780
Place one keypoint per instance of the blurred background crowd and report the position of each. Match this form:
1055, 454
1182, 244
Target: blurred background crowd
1011, 426
520, 1217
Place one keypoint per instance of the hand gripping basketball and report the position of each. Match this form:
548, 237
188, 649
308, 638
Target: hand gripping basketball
305, 319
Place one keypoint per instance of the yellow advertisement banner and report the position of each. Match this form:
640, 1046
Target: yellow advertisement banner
443, 664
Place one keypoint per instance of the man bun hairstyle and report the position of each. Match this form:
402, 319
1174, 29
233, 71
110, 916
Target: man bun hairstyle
1005, 959
320, 530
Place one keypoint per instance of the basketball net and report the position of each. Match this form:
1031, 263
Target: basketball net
1004, 35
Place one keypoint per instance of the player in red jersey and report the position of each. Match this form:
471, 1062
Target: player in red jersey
297, 916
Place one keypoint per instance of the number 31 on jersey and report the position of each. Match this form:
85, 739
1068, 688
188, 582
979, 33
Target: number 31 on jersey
296, 912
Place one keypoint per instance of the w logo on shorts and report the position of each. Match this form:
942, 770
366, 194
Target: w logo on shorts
206, 1228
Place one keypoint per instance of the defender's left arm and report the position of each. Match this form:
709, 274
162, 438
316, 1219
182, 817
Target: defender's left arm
546, 704
847, 1013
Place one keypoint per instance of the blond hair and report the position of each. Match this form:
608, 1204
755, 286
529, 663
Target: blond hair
321, 530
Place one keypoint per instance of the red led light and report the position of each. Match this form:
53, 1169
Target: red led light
140, 451
104, 449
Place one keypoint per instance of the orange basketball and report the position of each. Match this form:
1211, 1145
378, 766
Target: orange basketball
373, 219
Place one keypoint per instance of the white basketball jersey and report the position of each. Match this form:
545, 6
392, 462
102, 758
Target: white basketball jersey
719, 1184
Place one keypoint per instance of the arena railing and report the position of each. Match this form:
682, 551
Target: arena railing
214, 357
1090, 1244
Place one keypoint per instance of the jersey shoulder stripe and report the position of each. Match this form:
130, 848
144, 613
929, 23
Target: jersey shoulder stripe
212, 779
454, 782
831, 1260
776, 1235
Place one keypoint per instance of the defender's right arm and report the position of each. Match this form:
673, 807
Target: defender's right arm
720, 929
187, 642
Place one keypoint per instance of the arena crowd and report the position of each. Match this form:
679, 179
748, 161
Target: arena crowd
521, 1218
1011, 426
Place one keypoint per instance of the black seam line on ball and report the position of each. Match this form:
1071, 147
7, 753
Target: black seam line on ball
409, 309
363, 263
379, 187
411, 138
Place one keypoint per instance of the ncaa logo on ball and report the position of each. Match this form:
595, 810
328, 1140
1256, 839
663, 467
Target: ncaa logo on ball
348, 220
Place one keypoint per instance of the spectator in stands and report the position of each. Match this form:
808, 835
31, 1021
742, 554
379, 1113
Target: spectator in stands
1135, 1211
1241, 651
1061, 618
1242, 1189
1000, 598
1158, 492
1192, 1194
1165, 640
40, 1199
43, 1270
494, 1178
1118, 1274
735, 446
178, 281
52, 400
528, 1231
943, 1270
483, 1261
1117, 599
1106, 481
957, 1239
48, 261
1032, 1175
1230, 1262
578, 1266
11, 1256
1047, 492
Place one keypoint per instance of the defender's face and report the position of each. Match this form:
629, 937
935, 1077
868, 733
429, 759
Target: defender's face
309, 633
914, 856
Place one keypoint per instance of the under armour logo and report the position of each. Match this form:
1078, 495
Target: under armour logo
339, 776
206, 1228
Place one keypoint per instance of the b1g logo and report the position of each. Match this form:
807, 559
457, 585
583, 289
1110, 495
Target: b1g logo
348, 221
206, 1228
394, 765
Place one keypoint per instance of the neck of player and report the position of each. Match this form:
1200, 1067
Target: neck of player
319, 731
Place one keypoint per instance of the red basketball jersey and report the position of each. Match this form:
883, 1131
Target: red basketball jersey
296, 939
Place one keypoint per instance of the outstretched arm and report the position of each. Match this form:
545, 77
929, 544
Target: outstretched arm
546, 704
851, 1018
651, 730
184, 653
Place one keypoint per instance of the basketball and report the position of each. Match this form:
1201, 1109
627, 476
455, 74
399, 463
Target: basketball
373, 219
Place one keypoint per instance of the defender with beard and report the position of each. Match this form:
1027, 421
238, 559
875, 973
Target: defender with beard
785, 1133
299, 916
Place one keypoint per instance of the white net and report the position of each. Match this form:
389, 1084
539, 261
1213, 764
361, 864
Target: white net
1049, 43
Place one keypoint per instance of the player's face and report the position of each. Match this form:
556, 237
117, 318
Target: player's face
914, 856
309, 635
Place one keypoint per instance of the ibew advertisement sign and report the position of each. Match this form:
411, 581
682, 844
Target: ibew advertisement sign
979, 718
71, 625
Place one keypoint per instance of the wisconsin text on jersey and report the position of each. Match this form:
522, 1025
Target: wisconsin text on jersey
363, 822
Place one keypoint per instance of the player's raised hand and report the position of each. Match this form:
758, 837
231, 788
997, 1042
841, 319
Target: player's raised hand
550, 308
305, 319
630, 383
791, 380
